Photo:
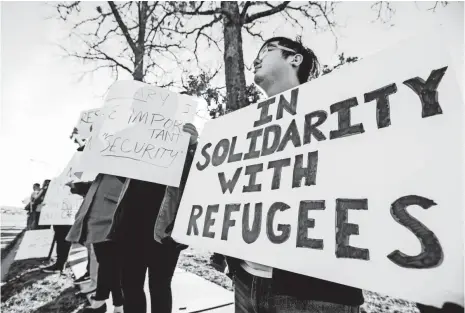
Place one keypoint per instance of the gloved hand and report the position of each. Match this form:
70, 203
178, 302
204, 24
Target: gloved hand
168, 241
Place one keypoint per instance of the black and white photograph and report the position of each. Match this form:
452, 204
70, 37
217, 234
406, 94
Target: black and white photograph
232, 156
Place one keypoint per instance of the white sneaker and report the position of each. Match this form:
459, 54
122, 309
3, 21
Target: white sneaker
118, 309
95, 304
88, 289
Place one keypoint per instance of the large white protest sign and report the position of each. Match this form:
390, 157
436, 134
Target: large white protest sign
139, 134
60, 205
35, 244
86, 119
355, 177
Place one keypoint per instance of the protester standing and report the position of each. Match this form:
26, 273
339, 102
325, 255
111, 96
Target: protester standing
280, 65
142, 226
62, 246
91, 227
29, 206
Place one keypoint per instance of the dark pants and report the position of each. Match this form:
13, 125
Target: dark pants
88, 264
161, 262
62, 246
30, 221
109, 272
252, 294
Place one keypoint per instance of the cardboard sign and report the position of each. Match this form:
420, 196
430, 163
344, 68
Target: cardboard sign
355, 178
139, 134
86, 119
35, 244
60, 205
85, 177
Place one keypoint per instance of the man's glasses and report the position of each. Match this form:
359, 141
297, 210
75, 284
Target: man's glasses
271, 47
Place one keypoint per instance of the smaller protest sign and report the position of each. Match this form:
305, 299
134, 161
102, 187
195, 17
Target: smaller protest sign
35, 244
86, 119
139, 135
60, 205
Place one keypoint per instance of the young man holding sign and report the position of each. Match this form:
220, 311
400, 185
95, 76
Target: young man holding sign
283, 64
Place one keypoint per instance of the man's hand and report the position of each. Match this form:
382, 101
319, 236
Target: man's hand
75, 131
70, 184
191, 130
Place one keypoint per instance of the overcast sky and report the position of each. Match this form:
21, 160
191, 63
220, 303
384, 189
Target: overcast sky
41, 96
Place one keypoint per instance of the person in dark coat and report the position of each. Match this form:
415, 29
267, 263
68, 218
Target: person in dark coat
91, 227
142, 227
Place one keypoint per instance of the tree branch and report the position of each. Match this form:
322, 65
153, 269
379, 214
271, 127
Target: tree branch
198, 12
272, 11
123, 26
245, 8
248, 28
200, 32
443, 3
385, 6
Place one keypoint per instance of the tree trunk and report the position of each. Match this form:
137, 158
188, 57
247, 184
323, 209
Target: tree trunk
233, 57
138, 73
140, 44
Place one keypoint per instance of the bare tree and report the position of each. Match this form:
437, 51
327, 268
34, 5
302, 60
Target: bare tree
124, 36
385, 9
342, 60
236, 17
146, 39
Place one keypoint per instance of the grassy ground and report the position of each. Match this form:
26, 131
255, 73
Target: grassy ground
28, 290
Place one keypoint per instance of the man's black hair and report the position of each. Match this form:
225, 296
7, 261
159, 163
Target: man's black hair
309, 68
36, 184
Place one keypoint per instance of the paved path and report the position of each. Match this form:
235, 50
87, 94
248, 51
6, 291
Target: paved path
191, 293
8, 258
8, 234
11, 225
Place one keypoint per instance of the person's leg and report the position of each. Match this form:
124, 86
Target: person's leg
93, 270
251, 293
36, 221
116, 271
86, 277
33, 220
242, 292
109, 273
62, 249
63, 246
134, 268
288, 304
88, 263
103, 274
162, 263
29, 221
